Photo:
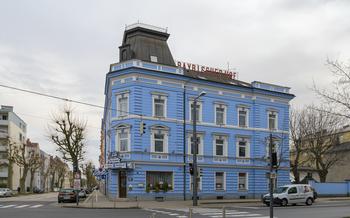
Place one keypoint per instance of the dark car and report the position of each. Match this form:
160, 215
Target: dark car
67, 195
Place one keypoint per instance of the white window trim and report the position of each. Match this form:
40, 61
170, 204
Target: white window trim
268, 120
224, 188
225, 113
118, 96
225, 145
166, 136
246, 181
117, 141
200, 145
155, 96
246, 118
200, 110
247, 150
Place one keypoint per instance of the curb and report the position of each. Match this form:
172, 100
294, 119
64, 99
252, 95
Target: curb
85, 207
231, 202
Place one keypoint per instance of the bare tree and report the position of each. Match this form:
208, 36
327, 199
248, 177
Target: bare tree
322, 137
297, 124
10, 154
35, 163
90, 178
25, 159
68, 133
338, 95
61, 169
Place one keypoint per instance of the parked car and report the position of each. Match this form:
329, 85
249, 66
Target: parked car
38, 190
67, 195
291, 194
5, 192
82, 193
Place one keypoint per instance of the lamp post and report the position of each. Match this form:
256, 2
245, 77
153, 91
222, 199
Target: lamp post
195, 149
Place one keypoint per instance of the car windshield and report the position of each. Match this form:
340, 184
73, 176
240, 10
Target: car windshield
280, 190
67, 190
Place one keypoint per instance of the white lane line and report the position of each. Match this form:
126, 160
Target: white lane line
36, 206
173, 214
181, 216
8, 206
21, 206
235, 213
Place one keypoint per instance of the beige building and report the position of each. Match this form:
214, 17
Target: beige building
12, 129
338, 172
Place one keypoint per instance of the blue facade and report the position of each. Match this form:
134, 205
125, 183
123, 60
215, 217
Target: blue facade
146, 163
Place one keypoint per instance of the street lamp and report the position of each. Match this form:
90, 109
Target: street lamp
195, 149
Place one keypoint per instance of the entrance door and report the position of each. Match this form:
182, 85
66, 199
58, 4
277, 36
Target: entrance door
122, 184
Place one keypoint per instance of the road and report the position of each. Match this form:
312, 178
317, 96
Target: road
45, 205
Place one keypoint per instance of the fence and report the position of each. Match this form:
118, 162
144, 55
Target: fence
329, 189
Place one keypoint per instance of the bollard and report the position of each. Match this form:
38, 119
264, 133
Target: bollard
190, 213
223, 212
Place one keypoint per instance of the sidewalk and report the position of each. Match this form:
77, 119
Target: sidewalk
97, 200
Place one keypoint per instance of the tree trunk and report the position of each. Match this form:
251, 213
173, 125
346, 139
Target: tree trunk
32, 172
10, 175
22, 180
52, 182
61, 182
323, 175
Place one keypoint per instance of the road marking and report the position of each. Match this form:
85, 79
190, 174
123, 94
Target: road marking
36, 206
21, 206
173, 214
8, 206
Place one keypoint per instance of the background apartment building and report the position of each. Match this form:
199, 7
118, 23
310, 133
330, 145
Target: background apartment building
12, 132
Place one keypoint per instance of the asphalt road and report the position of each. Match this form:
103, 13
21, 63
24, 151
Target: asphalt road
45, 206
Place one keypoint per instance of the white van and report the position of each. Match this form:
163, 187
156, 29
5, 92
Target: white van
291, 194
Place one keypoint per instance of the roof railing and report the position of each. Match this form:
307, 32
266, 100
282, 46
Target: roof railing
146, 26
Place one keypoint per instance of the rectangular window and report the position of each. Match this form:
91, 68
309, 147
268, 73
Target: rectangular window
219, 181
158, 142
122, 105
159, 107
123, 141
199, 144
159, 181
219, 147
243, 147
272, 120
242, 181
4, 117
242, 117
198, 111
220, 114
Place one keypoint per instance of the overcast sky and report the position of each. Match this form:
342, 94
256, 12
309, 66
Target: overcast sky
65, 47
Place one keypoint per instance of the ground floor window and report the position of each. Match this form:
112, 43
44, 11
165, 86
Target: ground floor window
242, 181
219, 181
159, 181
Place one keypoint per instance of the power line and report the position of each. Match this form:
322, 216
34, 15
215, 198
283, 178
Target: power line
65, 99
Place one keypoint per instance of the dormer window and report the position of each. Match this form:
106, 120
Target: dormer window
154, 59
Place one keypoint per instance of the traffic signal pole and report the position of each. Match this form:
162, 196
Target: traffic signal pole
195, 149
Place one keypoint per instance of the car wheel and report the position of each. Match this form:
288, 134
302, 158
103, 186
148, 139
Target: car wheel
284, 202
309, 201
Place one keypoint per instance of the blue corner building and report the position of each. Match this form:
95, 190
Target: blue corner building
147, 127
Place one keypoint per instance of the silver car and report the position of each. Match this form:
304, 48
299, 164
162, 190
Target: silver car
5, 192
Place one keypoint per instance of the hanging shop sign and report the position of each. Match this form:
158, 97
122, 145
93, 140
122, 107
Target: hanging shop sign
206, 69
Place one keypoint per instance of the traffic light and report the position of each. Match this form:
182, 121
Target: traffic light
274, 159
142, 128
75, 168
190, 165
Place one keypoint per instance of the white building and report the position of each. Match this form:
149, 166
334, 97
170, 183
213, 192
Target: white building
12, 129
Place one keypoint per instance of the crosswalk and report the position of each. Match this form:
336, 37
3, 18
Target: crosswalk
20, 206
205, 212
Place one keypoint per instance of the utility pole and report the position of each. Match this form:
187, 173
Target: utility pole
195, 150
271, 179
184, 142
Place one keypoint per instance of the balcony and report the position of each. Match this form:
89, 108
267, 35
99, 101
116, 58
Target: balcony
3, 135
4, 122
